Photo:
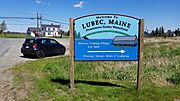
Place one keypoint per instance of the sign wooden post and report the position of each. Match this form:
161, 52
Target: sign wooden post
71, 32
140, 61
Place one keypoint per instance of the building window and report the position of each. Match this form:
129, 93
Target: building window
53, 29
49, 33
49, 29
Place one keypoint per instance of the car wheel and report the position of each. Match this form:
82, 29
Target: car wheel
40, 54
62, 51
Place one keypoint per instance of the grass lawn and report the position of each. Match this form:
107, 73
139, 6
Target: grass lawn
48, 79
16, 35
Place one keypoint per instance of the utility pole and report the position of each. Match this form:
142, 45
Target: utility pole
40, 19
37, 24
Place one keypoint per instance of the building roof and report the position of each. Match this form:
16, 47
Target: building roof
46, 25
117, 38
125, 41
32, 29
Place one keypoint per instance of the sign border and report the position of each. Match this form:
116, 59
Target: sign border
106, 14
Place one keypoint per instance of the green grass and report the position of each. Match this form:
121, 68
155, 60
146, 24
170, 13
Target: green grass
23, 36
104, 81
58, 37
13, 36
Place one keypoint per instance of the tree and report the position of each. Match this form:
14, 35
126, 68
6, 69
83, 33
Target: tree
163, 30
68, 33
152, 34
177, 32
169, 31
77, 35
156, 32
61, 33
3, 26
159, 32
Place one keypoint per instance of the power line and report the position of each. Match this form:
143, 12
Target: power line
19, 20
34, 18
31, 18
19, 24
55, 21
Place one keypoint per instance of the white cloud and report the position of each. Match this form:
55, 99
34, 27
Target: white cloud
43, 2
79, 5
38, 1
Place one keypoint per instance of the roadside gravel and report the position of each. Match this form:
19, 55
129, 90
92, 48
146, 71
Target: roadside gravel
10, 55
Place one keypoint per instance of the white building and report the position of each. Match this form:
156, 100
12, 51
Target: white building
45, 30
31, 31
50, 30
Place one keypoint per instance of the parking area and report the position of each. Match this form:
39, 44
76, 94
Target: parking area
10, 53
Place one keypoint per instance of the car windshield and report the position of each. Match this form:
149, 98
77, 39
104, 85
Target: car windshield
30, 41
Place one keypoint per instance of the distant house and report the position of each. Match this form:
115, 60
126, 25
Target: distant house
170, 33
31, 31
45, 30
50, 30
125, 41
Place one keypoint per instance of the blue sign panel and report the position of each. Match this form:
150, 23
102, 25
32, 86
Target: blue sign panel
106, 37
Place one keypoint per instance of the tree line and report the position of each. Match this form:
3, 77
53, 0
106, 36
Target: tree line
159, 32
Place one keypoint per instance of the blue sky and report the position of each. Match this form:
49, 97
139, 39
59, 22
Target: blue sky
156, 13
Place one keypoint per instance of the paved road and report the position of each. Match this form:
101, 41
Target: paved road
10, 51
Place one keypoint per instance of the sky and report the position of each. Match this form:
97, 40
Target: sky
156, 13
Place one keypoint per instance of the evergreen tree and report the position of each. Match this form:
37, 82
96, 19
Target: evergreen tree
152, 34
156, 32
163, 30
3, 26
68, 33
160, 31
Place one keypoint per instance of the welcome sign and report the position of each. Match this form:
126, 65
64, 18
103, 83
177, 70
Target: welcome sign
106, 37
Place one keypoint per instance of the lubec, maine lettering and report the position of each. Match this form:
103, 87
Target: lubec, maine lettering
92, 23
110, 22
120, 23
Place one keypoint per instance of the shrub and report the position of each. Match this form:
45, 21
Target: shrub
175, 79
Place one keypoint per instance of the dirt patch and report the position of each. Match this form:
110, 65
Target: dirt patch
177, 99
9, 91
